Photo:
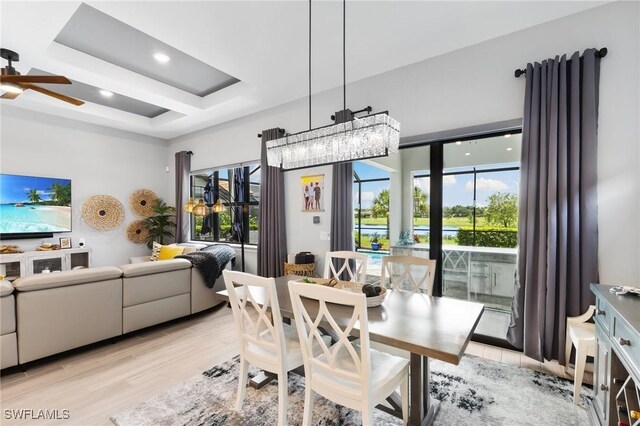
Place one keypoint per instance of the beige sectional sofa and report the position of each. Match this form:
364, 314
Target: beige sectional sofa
8, 340
65, 310
155, 292
59, 311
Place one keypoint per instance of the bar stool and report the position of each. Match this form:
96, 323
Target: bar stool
582, 335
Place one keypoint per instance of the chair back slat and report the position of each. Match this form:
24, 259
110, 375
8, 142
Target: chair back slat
246, 291
355, 364
346, 259
410, 267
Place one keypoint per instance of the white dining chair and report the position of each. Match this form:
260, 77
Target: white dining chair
417, 271
345, 259
348, 373
266, 342
582, 335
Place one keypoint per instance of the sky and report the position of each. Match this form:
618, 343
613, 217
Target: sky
14, 188
457, 189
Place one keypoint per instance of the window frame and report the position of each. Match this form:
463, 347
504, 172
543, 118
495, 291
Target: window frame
245, 204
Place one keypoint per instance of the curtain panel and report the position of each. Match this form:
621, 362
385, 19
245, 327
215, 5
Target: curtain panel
183, 168
272, 239
558, 241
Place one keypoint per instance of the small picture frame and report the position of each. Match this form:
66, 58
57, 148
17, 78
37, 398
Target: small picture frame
312, 193
65, 243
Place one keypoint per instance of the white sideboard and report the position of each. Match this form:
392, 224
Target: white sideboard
17, 265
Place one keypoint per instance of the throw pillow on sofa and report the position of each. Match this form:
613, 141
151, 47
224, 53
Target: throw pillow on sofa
155, 251
169, 252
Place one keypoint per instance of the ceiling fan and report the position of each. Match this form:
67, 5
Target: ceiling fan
13, 84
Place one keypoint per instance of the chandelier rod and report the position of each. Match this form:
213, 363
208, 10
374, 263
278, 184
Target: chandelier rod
309, 64
344, 54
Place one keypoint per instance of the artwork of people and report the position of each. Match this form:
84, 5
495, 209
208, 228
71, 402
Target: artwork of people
312, 193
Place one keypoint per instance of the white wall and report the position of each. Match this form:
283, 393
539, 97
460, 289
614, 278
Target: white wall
474, 86
96, 159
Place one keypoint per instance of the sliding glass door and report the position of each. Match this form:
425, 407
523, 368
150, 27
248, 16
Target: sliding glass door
481, 179
452, 200
461, 207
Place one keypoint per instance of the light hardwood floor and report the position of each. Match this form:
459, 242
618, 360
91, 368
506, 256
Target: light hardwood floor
96, 382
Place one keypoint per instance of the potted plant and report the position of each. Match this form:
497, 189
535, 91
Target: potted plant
375, 242
162, 224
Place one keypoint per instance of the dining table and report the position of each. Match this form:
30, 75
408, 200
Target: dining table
424, 326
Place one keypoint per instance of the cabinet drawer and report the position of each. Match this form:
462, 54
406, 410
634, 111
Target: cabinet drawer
480, 267
603, 315
626, 340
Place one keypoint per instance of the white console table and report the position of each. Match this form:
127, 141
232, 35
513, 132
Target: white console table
17, 265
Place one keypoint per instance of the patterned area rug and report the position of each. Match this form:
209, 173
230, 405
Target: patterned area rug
476, 392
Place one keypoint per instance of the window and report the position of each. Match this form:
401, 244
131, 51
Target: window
238, 215
371, 204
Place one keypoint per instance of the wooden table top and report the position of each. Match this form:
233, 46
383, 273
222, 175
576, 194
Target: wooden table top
436, 327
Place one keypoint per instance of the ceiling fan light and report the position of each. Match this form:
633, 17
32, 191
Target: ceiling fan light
11, 88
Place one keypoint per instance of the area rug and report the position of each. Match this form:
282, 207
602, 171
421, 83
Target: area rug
475, 392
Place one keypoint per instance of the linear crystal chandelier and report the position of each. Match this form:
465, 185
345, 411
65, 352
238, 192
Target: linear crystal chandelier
374, 135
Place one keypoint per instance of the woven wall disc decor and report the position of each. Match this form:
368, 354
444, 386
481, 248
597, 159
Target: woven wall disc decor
136, 232
142, 202
103, 212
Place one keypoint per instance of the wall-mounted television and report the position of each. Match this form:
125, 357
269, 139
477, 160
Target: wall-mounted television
34, 207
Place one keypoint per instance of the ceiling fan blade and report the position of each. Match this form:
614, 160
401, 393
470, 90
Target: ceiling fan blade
10, 95
55, 79
53, 94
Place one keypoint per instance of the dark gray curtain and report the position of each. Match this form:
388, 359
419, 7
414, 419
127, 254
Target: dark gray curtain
558, 241
342, 199
183, 168
272, 241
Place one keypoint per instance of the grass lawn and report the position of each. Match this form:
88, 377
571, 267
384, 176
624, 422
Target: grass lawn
423, 221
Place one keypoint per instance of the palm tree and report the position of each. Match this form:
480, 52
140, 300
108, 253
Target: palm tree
57, 189
33, 196
161, 225
420, 205
380, 206
61, 193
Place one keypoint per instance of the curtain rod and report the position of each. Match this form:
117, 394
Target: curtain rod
601, 53
281, 131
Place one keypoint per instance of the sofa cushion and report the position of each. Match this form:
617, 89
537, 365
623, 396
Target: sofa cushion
7, 315
169, 252
147, 268
5, 288
66, 278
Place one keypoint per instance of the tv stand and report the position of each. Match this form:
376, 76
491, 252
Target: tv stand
16, 265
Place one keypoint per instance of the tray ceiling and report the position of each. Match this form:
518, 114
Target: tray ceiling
229, 59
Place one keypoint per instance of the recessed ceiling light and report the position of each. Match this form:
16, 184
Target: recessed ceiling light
467, 153
161, 57
509, 149
458, 142
106, 93
508, 135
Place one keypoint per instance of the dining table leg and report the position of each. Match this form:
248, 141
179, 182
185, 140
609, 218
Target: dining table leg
422, 409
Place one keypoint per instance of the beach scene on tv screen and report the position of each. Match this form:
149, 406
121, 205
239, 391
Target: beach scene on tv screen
34, 204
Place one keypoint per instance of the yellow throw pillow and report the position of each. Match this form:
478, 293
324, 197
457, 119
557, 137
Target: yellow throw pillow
169, 252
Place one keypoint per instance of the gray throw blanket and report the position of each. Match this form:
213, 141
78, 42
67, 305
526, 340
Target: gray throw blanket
211, 261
